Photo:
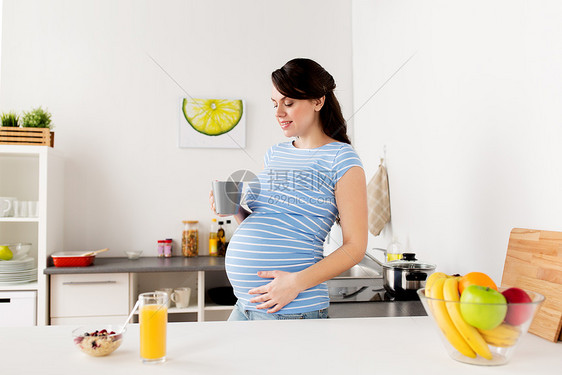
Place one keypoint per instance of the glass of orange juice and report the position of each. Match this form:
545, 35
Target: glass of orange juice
153, 318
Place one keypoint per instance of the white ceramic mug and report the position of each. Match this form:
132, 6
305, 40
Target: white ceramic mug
181, 297
7, 206
169, 292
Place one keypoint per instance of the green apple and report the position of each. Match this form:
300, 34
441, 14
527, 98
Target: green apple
6, 253
483, 307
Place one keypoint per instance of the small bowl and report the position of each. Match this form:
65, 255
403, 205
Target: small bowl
20, 249
133, 254
501, 341
94, 341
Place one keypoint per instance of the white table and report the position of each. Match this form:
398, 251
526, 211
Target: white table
406, 345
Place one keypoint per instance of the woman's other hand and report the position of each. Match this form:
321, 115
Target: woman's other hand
279, 292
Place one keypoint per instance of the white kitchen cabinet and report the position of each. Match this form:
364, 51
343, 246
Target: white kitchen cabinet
92, 298
34, 173
104, 282
18, 309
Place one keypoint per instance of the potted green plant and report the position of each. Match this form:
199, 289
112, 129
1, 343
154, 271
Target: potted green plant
36, 118
10, 120
35, 129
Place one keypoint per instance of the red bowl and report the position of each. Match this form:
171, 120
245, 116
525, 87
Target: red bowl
72, 259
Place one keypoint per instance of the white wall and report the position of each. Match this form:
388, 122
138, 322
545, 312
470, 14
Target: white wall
116, 112
471, 123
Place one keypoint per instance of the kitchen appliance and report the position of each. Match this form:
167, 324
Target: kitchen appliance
361, 283
373, 281
75, 258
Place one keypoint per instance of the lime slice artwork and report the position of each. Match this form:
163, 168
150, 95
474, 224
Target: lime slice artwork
212, 123
212, 117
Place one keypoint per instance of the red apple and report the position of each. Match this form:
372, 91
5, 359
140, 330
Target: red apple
518, 310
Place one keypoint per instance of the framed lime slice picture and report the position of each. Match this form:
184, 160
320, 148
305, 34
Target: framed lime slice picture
212, 123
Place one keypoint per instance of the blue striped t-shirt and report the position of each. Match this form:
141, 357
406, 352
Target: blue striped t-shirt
293, 208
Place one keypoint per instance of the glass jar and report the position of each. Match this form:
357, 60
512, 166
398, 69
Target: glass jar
190, 239
168, 248
161, 248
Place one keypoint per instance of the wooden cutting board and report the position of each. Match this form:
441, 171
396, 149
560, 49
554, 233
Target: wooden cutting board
534, 262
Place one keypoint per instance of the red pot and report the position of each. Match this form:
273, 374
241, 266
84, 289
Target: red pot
72, 259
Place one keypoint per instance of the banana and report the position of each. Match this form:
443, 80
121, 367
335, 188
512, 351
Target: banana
444, 321
468, 332
503, 336
431, 279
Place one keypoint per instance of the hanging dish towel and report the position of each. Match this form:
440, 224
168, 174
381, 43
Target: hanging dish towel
378, 201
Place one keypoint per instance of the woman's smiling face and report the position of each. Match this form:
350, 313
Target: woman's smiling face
295, 116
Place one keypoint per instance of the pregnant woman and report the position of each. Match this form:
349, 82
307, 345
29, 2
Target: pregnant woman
275, 259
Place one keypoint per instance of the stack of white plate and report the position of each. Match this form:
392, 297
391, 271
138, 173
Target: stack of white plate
18, 271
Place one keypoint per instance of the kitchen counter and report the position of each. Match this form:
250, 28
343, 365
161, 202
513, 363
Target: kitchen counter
330, 346
375, 309
144, 264
208, 263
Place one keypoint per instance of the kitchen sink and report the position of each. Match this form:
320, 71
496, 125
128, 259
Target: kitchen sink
359, 271
362, 282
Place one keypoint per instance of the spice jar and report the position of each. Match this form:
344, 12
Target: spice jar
168, 248
190, 239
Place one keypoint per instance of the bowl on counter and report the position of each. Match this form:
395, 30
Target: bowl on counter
133, 254
472, 345
98, 341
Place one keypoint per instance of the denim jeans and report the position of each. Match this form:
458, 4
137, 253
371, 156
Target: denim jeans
239, 314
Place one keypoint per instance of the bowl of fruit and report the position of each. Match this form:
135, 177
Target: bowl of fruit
14, 251
478, 322
98, 342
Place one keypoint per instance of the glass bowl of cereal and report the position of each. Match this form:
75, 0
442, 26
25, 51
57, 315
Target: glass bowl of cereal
98, 341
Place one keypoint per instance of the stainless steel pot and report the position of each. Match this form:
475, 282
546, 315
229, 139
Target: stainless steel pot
403, 277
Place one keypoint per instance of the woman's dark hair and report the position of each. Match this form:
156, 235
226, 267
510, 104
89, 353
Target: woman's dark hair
306, 79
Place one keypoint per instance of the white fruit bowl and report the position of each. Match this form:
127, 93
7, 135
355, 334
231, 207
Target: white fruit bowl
500, 341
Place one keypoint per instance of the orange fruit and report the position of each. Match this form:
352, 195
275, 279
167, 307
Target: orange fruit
476, 278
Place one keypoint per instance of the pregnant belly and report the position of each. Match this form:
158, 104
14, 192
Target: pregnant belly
249, 252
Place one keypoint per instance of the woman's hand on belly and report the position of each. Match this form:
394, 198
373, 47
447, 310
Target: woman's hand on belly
279, 292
